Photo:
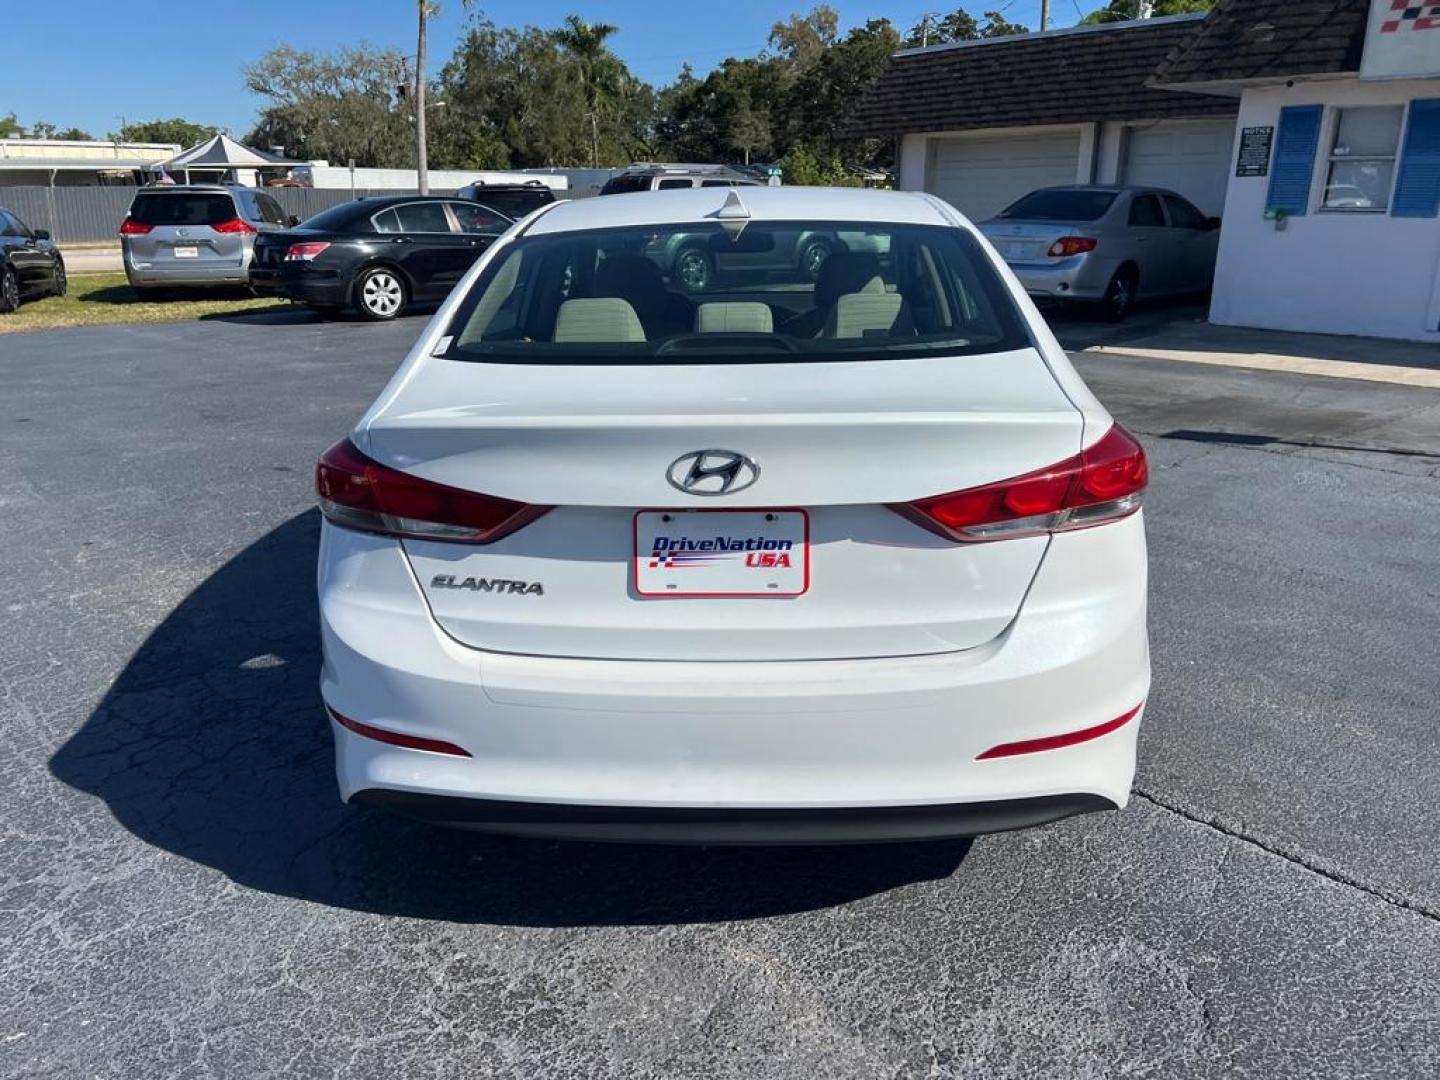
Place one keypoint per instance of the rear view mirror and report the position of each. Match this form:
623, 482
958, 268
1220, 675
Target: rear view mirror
1212, 223
292, 220
40, 234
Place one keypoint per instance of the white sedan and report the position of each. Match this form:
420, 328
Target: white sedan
778, 560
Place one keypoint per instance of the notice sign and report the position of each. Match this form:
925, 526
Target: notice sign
1254, 159
1402, 39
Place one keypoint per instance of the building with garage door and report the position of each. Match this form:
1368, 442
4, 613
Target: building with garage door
980, 123
1311, 127
1331, 210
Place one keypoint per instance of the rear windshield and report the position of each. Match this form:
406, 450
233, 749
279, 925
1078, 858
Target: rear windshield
620, 185
183, 208
777, 291
1061, 206
346, 217
513, 204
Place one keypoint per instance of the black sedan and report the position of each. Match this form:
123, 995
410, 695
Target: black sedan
375, 255
30, 265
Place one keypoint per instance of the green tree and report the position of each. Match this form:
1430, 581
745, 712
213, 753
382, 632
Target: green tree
820, 102
338, 106
1122, 10
802, 39
598, 70
10, 127
185, 133
960, 25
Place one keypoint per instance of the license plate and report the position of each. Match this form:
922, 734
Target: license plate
1015, 251
187, 252
722, 552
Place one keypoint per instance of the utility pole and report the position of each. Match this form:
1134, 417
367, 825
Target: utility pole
422, 165
1044, 14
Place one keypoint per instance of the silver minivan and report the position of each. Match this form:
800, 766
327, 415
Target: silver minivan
197, 234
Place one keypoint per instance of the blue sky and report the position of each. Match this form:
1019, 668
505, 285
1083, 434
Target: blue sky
90, 62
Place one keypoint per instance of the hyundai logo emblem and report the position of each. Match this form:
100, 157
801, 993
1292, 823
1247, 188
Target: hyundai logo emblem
712, 472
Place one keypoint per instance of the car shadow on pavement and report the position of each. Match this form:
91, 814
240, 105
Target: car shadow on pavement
211, 744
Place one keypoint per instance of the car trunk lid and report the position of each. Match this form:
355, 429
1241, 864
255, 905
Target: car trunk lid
597, 443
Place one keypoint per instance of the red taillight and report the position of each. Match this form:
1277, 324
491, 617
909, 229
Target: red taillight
131, 227
1072, 245
234, 225
1103, 483
395, 738
1056, 742
306, 251
363, 494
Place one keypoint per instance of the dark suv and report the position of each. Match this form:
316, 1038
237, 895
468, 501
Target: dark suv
512, 200
30, 265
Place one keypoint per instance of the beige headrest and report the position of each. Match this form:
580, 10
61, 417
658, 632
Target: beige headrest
741, 317
598, 319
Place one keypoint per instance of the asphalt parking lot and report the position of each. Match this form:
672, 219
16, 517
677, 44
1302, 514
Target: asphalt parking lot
182, 895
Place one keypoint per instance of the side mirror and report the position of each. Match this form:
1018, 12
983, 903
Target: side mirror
1212, 223
292, 221
40, 234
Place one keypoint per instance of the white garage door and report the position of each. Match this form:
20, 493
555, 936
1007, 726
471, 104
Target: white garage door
1188, 156
981, 176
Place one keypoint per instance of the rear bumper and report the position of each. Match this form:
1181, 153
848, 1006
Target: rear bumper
301, 284
142, 272
697, 825
746, 738
1080, 277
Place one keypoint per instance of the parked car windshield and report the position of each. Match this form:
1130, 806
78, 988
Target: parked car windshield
1061, 205
777, 291
182, 208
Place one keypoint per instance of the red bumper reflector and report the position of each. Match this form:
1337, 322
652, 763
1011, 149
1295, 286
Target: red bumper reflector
394, 738
1055, 742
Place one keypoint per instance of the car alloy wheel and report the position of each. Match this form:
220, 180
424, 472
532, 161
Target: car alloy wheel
381, 294
1120, 295
692, 267
9, 290
813, 258
62, 281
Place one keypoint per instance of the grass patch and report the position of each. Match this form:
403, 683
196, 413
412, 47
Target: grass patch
104, 299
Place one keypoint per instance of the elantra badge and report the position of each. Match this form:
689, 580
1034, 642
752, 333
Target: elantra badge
712, 472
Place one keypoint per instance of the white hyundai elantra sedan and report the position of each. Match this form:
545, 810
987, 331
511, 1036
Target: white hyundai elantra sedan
805, 553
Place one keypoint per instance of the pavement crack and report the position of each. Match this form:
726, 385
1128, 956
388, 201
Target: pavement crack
1322, 867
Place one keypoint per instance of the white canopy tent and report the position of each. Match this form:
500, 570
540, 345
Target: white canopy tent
221, 154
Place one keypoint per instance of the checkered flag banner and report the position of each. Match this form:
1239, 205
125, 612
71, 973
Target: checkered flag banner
1408, 15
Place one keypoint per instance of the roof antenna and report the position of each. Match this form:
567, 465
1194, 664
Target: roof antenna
733, 215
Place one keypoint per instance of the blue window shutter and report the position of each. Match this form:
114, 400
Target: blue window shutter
1294, 163
1417, 192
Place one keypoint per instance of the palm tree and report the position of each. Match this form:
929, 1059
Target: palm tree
598, 68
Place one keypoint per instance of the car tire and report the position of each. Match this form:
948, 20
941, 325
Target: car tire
379, 294
9, 290
812, 258
1120, 295
693, 269
61, 285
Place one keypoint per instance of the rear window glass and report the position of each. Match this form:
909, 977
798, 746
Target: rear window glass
346, 217
620, 185
1061, 205
183, 208
777, 292
513, 204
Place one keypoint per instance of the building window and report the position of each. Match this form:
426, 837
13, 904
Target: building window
1362, 158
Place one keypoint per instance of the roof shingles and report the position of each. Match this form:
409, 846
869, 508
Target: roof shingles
1065, 78
1258, 39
